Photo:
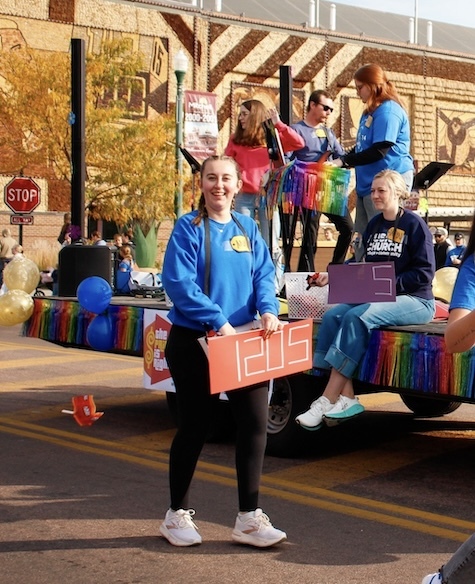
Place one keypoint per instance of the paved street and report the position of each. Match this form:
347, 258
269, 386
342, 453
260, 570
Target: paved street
386, 498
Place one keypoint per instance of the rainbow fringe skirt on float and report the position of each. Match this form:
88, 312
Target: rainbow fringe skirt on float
417, 361
311, 185
65, 321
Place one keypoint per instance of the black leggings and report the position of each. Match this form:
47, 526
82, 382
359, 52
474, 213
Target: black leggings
196, 406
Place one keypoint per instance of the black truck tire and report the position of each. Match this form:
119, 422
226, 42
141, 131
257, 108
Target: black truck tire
291, 395
429, 407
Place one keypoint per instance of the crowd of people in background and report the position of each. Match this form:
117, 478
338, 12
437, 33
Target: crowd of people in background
446, 253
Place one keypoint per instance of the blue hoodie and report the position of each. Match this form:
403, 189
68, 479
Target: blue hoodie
241, 282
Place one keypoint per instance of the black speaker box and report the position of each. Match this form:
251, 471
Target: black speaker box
78, 262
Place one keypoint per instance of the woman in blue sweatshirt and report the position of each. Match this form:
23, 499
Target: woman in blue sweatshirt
396, 235
219, 274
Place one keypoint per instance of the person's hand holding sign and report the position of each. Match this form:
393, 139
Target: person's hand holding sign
270, 324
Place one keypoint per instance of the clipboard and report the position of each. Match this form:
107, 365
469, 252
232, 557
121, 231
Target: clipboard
430, 174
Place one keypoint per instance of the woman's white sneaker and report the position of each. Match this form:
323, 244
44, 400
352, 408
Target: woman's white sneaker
179, 528
254, 528
312, 419
344, 409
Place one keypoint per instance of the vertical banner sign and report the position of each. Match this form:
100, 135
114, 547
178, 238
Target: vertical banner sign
156, 328
201, 124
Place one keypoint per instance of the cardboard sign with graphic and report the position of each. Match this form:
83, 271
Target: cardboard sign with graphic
156, 328
247, 358
358, 283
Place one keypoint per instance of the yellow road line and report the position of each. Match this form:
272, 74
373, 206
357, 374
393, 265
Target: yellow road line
76, 437
372, 515
350, 505
349, 467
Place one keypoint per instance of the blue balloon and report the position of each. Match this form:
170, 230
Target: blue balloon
100, 334
94, 294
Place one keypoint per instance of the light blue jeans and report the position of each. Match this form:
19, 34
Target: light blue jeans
248, 204
344, 334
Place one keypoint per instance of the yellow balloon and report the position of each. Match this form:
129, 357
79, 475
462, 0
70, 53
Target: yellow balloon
16, 306
21, 274
444, 282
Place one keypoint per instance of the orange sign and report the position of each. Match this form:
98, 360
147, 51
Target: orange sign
247, 358
84, 411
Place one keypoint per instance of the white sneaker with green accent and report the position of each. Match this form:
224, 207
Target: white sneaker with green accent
179, 528
344, 409
254, 528
313, 417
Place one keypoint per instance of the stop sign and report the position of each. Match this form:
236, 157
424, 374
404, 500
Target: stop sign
22, 195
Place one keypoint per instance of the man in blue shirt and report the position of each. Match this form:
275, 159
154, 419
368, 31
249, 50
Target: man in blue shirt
455, 255
319, 141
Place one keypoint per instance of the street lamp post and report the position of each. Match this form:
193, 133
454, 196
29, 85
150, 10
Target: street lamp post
416, 22
180, 64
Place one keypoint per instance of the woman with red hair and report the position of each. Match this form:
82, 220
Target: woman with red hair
382, 140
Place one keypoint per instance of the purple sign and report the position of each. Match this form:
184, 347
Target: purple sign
358, 283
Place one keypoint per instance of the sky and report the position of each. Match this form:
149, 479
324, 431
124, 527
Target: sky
459, 12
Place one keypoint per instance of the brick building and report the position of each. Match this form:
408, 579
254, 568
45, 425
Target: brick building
237, 58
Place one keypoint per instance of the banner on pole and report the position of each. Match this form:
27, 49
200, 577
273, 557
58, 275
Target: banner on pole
201, 124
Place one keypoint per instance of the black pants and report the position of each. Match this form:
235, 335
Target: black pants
189, 368
311, 223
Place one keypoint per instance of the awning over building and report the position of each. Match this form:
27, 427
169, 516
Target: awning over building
449, 215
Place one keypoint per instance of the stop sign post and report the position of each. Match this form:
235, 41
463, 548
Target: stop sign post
22, 195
